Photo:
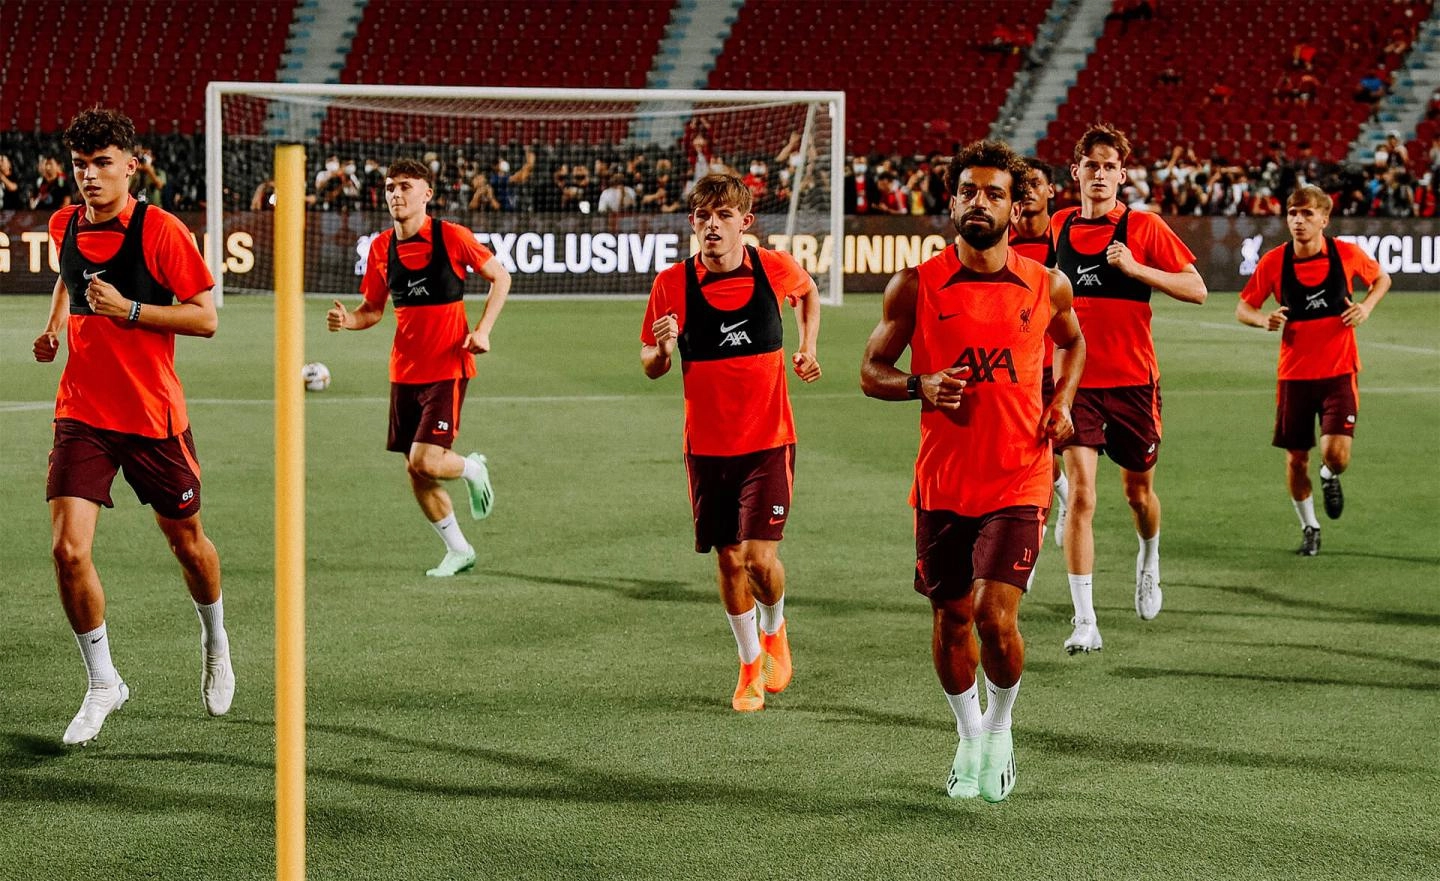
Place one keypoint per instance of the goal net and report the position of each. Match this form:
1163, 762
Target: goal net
580, 193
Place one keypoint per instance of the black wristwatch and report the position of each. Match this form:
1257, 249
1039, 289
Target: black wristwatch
912, 386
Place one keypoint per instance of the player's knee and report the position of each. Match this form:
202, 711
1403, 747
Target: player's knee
422, 466
69, 554
731, 561
996, 627
1082, 500
760, 561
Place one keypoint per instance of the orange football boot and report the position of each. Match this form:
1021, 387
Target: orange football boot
750, 690
776, 650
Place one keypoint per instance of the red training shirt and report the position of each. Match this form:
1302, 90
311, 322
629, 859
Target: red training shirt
990, 453
429, 340
1324, 347
119, 376
1119, 349
740, 405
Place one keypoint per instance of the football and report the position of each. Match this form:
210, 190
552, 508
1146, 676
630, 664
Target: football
316, 376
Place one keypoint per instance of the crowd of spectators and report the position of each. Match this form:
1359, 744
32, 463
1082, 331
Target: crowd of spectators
591, 179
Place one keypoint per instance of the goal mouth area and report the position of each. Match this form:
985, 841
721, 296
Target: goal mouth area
497, 156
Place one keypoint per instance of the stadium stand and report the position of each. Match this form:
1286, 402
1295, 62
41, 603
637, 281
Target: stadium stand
1161, 78
153, 60
907, 89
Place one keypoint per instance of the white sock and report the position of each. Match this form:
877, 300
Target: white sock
1149, 550
472, 470
771, 617
746, 639
1062, 489
998, 703
449, 532
1326, 473
1306, 509
1080, 586
966, 707
95, 652
212, 627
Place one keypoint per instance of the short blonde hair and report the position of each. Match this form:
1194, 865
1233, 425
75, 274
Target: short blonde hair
1310, 195
720, 190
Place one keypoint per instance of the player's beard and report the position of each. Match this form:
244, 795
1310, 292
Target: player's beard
978, 240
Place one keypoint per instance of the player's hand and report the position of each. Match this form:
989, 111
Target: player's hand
1355, 313
1055, 423
1276, 320
667, 333
1119, 256
477, 343
337, 318
946, 388
806, 366
46, 346
105, 299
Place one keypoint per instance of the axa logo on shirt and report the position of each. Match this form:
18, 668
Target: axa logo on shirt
983, 363
1315, 300
733, 335
415, 287
1087, 276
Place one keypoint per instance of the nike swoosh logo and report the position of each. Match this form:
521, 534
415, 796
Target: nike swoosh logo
944, 317
96, 639
414, 281
1021, 567
775, 521
726, 328
90, 275
187, 503
1084, 269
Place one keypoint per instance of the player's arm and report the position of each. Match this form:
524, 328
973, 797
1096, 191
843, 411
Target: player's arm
879, 377
1186, 285
47, 344
499, 277
1064, 329
196, 316
1356, 313
655, 360
367, 315
1252, 316
807, 315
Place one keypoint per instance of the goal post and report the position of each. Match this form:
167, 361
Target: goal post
527, 170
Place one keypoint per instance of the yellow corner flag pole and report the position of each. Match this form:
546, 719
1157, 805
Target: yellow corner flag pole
289, 514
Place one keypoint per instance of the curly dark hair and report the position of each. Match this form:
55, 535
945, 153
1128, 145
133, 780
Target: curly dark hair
408, 167
95, 129
1102, 134
1041, 166
990, 154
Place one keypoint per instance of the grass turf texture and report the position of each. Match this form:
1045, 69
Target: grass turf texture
562, 711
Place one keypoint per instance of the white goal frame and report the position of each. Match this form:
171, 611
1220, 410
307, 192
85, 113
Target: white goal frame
832, 293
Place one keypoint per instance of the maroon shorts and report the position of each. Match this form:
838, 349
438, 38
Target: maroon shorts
1336, 400
952, 551
1122, 422
425, 413
738, 498
163, 471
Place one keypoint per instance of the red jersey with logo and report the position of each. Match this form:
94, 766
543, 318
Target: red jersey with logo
990, 453
119, 376
1322, 347
429, 340
1041, 249
733, 406
1119, 348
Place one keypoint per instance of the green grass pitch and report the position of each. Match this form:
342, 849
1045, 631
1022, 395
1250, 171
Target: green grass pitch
562, 712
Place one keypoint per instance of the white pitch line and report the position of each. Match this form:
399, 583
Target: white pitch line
1268, 391
1261, 336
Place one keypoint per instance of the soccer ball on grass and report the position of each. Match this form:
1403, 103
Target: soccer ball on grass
316, 376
